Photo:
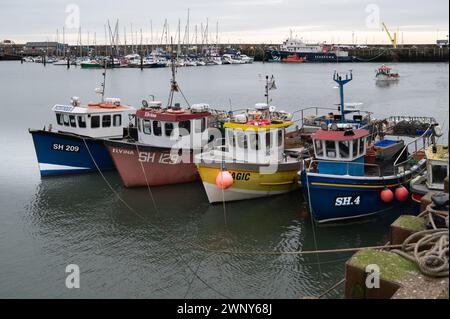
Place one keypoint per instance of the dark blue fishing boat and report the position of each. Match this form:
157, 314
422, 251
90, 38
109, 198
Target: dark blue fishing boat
75, 142
346, 180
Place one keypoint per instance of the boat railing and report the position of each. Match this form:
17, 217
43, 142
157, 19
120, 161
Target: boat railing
306, 111
311, 108
425, 137
369, 166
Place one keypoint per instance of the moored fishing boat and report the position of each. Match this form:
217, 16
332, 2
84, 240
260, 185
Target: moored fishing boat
165, 140
253, 161
344, 180
74, 143
437, 170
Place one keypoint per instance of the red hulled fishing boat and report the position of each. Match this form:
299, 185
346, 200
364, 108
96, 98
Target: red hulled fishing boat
162, 154
162, 143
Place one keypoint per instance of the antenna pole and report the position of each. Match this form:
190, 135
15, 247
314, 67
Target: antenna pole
341, 82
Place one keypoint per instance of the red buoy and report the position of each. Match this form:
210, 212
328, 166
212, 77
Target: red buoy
387, 195
224, 180
401, 194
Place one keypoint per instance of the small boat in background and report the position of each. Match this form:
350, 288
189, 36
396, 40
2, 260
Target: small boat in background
385, 73
293, 59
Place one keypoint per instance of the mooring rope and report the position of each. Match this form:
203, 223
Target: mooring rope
175, 249
429, 249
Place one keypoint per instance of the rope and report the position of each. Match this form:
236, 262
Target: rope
331, 289
431, 247
175, 250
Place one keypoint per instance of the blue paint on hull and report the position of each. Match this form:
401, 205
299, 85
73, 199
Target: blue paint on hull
334, 198
59, 153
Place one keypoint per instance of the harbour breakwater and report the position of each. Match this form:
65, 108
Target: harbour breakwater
370, 53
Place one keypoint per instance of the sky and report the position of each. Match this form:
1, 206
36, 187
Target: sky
239, 21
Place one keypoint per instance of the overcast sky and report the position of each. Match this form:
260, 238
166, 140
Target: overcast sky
247, 21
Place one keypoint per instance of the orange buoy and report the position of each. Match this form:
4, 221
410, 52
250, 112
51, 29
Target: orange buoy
401, 194
224, 180
387, 195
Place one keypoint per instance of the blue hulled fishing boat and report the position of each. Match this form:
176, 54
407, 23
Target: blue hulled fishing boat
346, 179
74, 143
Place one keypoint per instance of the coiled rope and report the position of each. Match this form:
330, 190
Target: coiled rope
429, 248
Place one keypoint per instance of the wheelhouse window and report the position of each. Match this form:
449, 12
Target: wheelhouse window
117, 120
95, 121
168, 127
185, 128
355, 148
362, 143
66, 119
106, 120
157, 128
330, 147
231, 139
344, 149
280, 138
319, 147
438, 174
203, 124
72, 120
241, 140
254, 141
59, 119
147, 127
81, 121
268, 140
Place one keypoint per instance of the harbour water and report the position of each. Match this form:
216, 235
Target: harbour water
168, 245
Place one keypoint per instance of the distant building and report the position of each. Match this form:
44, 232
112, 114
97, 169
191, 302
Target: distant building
49, 48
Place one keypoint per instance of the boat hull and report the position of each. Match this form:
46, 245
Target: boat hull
333, 198
140, 165
249, 182
278, 56
61, 153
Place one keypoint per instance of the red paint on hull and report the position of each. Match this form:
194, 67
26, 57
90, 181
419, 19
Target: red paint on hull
137, 167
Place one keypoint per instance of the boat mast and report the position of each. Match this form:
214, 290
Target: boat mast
341, 82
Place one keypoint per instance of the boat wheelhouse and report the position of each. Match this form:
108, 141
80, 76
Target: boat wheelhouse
162, 153
345, 180
253, 157
73, 143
